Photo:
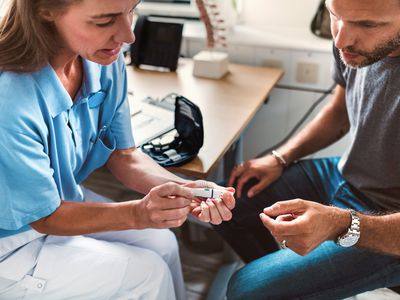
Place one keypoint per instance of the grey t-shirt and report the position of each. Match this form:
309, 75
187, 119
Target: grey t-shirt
371, 162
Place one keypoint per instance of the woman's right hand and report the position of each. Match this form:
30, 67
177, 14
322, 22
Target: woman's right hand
165, 206
266, 169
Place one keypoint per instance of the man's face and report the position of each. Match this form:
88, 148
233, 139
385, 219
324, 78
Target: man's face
365, 31
96, 29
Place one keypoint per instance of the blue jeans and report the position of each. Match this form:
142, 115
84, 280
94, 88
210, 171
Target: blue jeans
328, 272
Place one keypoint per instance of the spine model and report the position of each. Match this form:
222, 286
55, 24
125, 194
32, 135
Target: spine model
214, 23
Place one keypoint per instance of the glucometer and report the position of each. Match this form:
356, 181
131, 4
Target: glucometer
208, 192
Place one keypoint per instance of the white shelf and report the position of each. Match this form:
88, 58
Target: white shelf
268, 36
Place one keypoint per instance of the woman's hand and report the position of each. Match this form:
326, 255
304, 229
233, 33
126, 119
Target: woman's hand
304, 225
266, 169
214, 211
165, 206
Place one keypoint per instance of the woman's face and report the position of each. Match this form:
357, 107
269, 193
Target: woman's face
96, 29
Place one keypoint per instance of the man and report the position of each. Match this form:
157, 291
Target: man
333, 252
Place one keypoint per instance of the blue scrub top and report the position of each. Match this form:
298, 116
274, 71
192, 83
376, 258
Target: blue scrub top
49, 144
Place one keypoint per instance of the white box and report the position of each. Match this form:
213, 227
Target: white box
210, 64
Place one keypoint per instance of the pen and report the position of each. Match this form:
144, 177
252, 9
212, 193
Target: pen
136, 112
101, 133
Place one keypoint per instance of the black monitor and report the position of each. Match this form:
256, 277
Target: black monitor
158, 42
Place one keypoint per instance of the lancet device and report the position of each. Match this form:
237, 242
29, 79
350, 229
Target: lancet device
208, 192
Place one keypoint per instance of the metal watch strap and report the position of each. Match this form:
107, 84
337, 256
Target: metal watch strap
350, 238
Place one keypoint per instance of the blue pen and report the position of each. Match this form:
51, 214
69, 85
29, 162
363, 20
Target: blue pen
101, 133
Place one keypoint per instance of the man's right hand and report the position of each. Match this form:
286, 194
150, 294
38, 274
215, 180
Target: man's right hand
165, 206
266, 169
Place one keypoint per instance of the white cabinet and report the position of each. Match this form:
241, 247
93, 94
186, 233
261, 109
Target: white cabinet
268, 126
303, 69
279, 116
275, 58
307, 62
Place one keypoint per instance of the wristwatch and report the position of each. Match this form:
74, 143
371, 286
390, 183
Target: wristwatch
350, 238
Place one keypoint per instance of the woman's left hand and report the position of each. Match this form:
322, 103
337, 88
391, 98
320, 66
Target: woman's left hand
214, 211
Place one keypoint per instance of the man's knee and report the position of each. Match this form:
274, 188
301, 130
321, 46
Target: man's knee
252, 284
238, 288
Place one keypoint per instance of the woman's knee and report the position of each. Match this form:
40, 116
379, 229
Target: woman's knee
166, 245
154, 272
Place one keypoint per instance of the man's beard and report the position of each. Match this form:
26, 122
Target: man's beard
380, 52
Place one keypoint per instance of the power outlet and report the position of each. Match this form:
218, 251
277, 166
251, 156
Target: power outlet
307, 73
272, 63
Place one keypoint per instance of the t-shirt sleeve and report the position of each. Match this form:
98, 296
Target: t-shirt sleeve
338, 68
121, 123
27, 188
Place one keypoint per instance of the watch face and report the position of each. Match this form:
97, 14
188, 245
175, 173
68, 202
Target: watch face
348, 241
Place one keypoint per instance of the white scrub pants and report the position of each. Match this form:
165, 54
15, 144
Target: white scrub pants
131, 264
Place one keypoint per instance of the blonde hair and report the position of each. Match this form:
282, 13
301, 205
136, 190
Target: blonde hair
27, 40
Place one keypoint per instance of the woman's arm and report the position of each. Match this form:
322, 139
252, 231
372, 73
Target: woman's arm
138, 171
164, 206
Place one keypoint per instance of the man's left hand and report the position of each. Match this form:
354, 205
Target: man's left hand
304, 225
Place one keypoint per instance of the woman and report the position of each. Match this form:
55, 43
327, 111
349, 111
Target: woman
64, 113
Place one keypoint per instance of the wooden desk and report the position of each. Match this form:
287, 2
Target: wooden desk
227, 105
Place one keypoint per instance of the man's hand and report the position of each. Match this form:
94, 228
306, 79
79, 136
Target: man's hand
214, 211
266, 169
165, 206
304, 225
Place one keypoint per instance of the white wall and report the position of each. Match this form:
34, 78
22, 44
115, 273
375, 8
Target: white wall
286, 13
3, 4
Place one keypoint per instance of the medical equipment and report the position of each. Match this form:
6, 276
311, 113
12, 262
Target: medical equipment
208, 192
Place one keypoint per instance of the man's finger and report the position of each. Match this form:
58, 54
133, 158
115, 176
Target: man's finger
267, 221
285, 218
242, 181
260, 186
236, 172
285, 207
278, 228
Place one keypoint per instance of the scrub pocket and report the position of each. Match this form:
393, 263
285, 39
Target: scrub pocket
101, 150
78, 268
15, 270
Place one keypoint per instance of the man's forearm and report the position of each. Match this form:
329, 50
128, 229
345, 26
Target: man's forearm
327, 127
380, 233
